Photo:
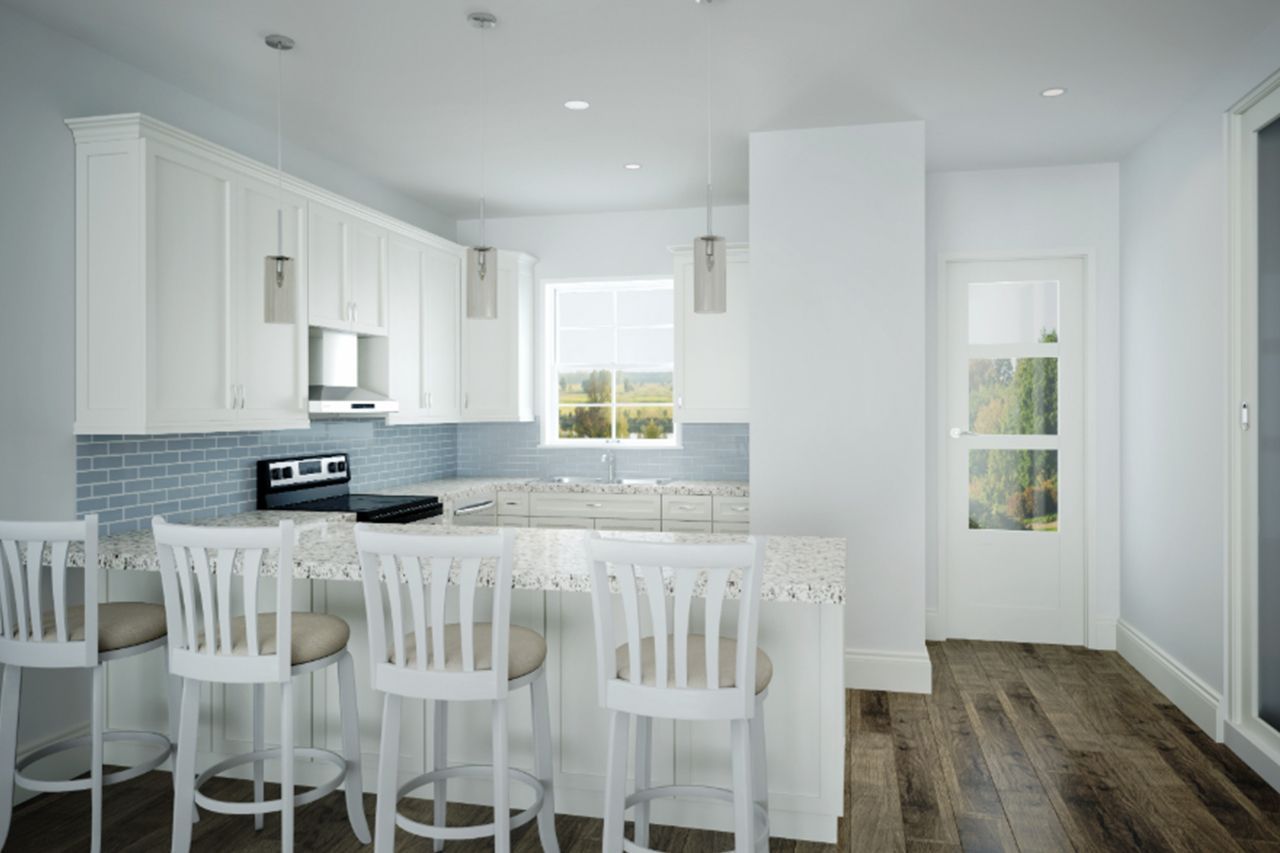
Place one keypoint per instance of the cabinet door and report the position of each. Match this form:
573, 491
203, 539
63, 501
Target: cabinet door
562, 523
327, 268
712, 350
189, 280
651, 525
441, 318
270, 358
367, 288
490, 357
405, 339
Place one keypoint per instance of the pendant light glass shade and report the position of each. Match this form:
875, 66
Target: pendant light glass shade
482, 283
279, 282
710, 275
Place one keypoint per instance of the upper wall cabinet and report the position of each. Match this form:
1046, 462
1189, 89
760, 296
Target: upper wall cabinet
348, 259
426, 290
712, 377
497, 354
170, 241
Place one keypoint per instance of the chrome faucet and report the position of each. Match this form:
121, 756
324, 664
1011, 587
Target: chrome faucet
609, 459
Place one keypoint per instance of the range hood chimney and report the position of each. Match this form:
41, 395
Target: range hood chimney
335, 375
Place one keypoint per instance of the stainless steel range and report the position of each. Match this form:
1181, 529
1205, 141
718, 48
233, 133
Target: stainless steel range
322, 484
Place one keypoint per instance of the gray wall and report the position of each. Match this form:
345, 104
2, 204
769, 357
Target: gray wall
46, 77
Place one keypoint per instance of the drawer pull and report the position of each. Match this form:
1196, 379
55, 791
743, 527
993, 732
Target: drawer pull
738, 508
594, 505
686, 507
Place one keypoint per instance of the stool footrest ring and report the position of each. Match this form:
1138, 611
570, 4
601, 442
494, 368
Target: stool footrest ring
696, 792
113, 778
462, 833
204, 801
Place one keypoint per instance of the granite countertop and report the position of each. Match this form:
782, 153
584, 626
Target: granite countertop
457, 491
801, 569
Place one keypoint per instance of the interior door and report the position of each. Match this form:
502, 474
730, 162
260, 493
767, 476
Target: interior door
1014, 558
270, 358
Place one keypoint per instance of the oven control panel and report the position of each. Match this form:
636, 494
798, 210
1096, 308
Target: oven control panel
281, 474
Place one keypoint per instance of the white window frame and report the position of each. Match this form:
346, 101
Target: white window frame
551, 374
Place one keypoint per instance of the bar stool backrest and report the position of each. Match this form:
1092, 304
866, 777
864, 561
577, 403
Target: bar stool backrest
406, 583
35, 628
644, 573
200, 568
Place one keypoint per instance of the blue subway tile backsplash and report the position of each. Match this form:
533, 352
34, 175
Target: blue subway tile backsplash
127, 480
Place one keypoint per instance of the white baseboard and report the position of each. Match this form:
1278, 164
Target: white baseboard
1264, 761
1102, 633
1200, 702
933, 627
899, 672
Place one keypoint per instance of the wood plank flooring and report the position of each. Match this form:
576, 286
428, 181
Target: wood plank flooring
1020, 747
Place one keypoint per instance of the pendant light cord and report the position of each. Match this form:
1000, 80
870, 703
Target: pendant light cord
708, 116
484, 128
280, 152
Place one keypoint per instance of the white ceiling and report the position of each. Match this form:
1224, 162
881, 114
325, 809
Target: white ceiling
389, 87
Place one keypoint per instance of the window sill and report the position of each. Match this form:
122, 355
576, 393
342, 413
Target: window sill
605, 448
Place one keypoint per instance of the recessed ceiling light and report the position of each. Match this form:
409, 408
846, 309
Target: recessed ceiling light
1054, 92
576, 106
632, 167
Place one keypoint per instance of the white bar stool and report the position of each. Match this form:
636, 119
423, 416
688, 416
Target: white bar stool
210, 644
471, 660
677, 675
67, 637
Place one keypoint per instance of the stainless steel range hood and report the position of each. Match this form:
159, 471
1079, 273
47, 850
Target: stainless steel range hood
335, 373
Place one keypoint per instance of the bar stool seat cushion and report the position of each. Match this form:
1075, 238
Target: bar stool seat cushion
697, 653
315, 636
121, 624
526, 649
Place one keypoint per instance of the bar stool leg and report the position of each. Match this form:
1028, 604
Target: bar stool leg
185, 766
544, 767
615, 792
501, 780
760, 770
743, 801
95, 758
259, 743
384, 821
644, 763
354, 782
439, 761
286, 766
10, 686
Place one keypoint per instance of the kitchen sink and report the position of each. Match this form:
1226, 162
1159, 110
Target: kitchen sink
617, 481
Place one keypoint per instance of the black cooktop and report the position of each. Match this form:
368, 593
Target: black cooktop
322, 484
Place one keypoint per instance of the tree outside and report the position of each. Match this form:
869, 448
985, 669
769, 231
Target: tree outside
588, 407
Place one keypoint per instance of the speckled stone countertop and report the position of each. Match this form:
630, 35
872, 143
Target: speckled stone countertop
459, 491
801, 569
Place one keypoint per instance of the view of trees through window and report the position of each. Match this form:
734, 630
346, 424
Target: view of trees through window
1014, 489
615, 355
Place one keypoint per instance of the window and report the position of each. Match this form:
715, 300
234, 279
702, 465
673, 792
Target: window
611, 359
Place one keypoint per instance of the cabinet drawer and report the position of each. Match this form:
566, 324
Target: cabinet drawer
513, 503
486, 519
731, 527
512, 521
732, 509
562, 522
595, 506
644, 524
686, 507
686, 526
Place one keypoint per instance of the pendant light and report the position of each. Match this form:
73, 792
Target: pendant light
709, 264
280, 286
482, 268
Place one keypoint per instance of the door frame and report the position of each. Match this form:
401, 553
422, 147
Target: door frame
1097, 635
1235, 724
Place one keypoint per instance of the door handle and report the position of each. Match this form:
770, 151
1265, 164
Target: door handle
956, 432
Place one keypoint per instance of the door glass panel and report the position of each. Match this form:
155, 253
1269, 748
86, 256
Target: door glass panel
1013, 312
1013, 396
1013, 490
1268, 425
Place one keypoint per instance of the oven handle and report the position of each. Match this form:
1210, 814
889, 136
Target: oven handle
473, 508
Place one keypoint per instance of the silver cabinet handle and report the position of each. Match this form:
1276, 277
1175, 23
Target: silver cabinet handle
242, 399
235, 397
680, 402
466, 400
686, 507
738, 508
428, 399
956, 432
594, 505
355, 312
473, 508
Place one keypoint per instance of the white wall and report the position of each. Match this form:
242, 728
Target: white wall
838, 372
601, 245
1067, 208
1176, 411
46, 77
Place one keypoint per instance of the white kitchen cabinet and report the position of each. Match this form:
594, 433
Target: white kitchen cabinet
686, 507
348, 264
425, 281
497, 353
712, 376
594, 505
735, 527
647, 525
556, 522
686, 526
170, 247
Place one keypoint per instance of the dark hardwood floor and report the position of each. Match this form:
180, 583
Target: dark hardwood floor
1020, 747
